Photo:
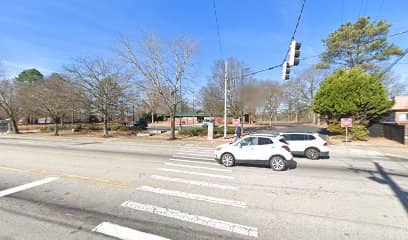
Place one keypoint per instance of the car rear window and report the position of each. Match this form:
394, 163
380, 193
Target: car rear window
264, 141
309, 137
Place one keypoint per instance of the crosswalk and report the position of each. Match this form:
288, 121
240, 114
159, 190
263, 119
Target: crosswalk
190, 167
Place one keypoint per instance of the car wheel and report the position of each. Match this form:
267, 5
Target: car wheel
277, 163
312, 153
227, 160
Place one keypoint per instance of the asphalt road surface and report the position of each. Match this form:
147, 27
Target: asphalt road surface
107, 189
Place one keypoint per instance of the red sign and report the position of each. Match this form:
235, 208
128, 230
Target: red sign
236, 122
346, 122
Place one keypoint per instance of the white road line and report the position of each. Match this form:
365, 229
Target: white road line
198, 158
195, 173
26, 186
194, 154
192, 161
196, 219
195, 182
196, 150
198, 167
124, 233
193, 196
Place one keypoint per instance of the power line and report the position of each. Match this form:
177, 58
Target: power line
218, 29
294, 31
396, 61
399, 33
391, 35
291, 38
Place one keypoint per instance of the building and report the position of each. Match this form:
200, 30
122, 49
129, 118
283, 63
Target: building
400, 110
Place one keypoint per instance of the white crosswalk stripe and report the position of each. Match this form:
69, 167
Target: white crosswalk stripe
192, 196
191, 157
195, 173
195, 182
198, 167
124, 233
194, 161
26, 186
196, 219
194, 154
193, 150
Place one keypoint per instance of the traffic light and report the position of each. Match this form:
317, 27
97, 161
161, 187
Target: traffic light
294, 53
285, 71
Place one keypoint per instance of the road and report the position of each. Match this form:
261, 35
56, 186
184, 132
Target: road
57, 188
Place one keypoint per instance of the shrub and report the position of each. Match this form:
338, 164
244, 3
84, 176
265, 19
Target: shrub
194, 132
119, 127
357, 132
94, 127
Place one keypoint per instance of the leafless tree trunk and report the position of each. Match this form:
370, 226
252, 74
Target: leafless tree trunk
9, 103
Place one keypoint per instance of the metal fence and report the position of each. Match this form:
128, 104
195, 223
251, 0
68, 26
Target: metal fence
390, 131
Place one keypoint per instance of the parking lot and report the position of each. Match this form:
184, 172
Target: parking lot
97, 189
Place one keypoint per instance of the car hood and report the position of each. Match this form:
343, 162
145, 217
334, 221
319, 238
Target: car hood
223, 145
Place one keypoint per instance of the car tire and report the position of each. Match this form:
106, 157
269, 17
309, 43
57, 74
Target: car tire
312, 153
228, 160
277, 163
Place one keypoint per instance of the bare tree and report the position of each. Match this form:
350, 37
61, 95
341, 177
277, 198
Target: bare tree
299, 92
213, 93
164, 67
9, 103
273, 98
102, 81
53, 97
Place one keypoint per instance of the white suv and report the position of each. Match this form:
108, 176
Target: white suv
256, 148
311, 145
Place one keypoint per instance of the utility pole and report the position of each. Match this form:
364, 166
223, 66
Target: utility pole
225, 99
242, 99
133, 113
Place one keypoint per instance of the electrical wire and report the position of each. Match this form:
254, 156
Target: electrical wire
396, 61
218, 30
294, 31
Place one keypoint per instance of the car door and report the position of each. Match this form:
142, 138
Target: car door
296, 142
262, 150
246, 149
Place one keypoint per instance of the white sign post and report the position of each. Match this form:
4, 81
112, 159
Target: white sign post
346, 123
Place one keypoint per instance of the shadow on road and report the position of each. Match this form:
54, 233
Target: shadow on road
292, 165
386, 179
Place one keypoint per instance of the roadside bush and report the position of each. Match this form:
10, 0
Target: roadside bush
194, 132
359, 130
94, 127
119, 127
77, 127
220, 130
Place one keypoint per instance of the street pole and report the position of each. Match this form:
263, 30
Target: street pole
133, 113
194, 108
225, 99
242, 99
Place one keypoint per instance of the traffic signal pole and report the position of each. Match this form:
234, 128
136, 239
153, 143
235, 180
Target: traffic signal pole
225, 98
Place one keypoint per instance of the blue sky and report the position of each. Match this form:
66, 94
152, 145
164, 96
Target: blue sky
48, 34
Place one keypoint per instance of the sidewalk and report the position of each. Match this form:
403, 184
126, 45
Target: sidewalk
387, 147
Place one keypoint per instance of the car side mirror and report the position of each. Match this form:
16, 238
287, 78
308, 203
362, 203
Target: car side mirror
239, 145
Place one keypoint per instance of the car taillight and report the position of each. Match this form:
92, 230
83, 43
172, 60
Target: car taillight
325, 144
286, 148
